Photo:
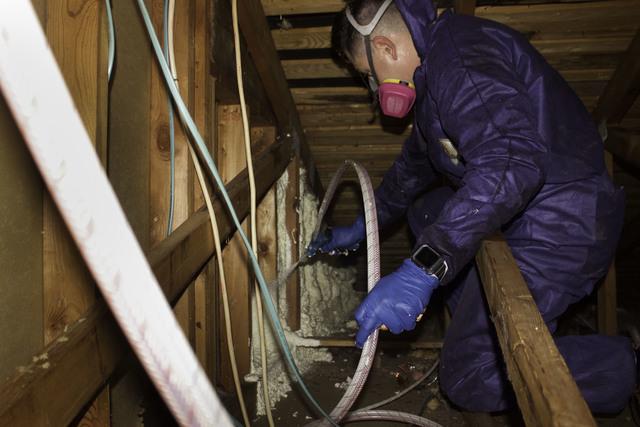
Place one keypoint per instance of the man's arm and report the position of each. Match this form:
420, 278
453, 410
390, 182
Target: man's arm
409, 175
487, 111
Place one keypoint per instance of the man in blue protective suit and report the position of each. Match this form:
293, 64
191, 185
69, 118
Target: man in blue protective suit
523, 157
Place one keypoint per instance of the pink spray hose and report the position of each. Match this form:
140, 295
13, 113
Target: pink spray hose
341, 411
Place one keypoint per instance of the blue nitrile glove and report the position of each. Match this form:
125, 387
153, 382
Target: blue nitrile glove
338, 239
396, 301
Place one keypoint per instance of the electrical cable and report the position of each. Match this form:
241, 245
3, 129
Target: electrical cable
223, 284
111, 55
253, 221
166, 28
169, 41
206, 157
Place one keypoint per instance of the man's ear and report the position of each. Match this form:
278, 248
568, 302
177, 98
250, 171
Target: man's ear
385, 46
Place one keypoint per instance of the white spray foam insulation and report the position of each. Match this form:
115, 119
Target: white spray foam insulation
327, 300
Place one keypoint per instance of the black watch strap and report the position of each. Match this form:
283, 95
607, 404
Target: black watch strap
430, 261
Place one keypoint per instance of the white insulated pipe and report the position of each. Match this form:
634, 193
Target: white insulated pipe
35, 92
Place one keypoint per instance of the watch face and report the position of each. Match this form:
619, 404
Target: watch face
426, 256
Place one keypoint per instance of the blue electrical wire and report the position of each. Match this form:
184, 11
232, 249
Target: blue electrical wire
208, 160
172, 136
112, 40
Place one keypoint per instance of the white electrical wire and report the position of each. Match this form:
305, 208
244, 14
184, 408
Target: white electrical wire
214, 229
223, 285
252, 189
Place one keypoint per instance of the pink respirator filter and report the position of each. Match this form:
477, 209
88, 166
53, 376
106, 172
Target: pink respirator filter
396, 97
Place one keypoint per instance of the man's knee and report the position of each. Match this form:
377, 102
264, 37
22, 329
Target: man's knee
475, 383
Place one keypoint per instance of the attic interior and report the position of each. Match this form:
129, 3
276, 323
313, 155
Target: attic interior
126, 177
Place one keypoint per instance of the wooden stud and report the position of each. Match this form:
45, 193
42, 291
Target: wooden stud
292, 206
546, 392
231, 160
204, 116
223, 68
255, 29
623, 88
159, 157
76, 32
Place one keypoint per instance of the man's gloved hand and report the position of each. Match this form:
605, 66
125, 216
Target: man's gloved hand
338, 239
396, 301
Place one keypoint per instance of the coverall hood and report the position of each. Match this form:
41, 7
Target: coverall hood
418, 15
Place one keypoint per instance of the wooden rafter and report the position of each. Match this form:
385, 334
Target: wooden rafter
623, 88
260, 45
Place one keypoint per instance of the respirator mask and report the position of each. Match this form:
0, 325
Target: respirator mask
396, 96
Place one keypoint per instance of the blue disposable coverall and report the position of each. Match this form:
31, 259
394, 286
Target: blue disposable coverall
524, 157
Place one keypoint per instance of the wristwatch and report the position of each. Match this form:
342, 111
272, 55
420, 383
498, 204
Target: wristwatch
430, 261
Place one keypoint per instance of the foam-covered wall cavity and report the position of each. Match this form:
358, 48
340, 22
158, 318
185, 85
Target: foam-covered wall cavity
327, 300
327, 296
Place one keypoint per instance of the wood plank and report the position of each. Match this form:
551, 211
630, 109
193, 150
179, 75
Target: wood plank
546, 392
75, 31
223, 68
77, 364
616, 15
574, 67
553, 43
231, 160
204, 115
292, 205
287, 7
623, 88
159, 146
331, 95
607, 292
21, 308
464, 7
255, 29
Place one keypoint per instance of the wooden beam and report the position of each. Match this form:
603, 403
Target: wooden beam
535, 18
231, 160
331, 95
204, 109
255, 30
547, 44
223, 68
292, 221
623, 88
546, 392
159, 149
464, 7
60, 380
288, 7
327, 68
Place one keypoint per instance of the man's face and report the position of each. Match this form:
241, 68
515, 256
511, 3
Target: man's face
394, 57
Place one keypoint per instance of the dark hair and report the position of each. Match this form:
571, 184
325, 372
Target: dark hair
344, 37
